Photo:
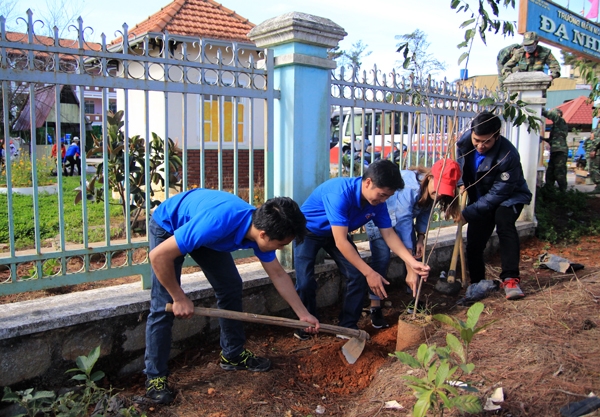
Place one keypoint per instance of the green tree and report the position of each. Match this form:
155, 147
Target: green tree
421, 63
355, 55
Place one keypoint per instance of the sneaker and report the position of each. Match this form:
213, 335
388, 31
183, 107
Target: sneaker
301, 335
512, 289
377, 319
245, 361
158, 391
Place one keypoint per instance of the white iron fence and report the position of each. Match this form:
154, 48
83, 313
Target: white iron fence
212, 100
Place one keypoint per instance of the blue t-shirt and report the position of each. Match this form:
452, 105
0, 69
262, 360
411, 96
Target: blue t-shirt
209, 218
337, 202
73, 150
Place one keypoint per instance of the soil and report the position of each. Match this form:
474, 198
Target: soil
541, 350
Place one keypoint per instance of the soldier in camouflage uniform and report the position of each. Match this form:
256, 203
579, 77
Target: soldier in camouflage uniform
532, 57
503, 57
557, 165
592, 147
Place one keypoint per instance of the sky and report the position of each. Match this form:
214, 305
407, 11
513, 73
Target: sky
374, 22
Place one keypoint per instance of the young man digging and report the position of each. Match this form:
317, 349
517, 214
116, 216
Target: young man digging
335, 208
208, 225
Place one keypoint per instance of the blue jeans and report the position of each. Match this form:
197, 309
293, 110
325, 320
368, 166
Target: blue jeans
380, 260
223, 276
305, 255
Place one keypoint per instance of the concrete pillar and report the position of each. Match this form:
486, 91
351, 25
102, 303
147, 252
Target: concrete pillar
299, 43
531, 87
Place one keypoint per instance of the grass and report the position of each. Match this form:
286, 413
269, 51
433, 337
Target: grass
49, 217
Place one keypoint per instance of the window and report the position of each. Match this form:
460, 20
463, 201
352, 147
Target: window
89, 107
112, 106
211, 121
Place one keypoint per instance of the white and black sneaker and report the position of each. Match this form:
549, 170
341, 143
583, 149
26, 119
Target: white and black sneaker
377, 319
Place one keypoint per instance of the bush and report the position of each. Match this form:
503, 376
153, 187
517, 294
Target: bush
564, 216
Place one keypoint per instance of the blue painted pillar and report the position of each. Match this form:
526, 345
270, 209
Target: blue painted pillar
299, 43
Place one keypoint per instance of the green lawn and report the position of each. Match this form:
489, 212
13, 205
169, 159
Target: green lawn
49, 217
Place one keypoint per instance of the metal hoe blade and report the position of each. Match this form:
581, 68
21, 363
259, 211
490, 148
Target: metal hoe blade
352, 349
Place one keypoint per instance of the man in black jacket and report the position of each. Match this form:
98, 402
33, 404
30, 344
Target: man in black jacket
493, 177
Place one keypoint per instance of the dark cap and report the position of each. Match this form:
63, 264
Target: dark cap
529, 38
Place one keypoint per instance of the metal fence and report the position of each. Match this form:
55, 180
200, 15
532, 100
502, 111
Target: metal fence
378, 115
204, 96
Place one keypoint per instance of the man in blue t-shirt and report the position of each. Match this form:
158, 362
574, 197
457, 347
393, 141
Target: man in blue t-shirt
72, 159
208, 225
335, 208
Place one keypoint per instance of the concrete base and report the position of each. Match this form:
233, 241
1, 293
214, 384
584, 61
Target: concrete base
40, 339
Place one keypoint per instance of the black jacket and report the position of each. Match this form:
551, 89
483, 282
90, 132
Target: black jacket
499, 179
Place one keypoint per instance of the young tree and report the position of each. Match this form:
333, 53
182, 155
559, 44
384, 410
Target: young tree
61, 14
421, 62
355, 56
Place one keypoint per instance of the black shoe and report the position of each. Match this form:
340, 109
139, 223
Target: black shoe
301, 335
158, 391
245, 361
377, 319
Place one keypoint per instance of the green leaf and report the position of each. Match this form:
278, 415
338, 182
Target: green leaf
422, 405
442, 373
421, 353
466, 23
468, 404
43, 394
79, 377
488, 101
462, 57
431, 373
97, 376
407, 359
467, 367
466, 335
456, 347
443, 318
473, 314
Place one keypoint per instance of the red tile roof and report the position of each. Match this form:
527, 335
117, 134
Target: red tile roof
576, 112
198, 18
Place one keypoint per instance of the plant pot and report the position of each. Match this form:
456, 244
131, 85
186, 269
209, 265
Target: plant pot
413, 331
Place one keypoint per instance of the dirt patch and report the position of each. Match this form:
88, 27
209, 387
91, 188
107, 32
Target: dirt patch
542, 351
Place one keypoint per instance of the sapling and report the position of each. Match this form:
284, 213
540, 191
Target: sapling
435, 391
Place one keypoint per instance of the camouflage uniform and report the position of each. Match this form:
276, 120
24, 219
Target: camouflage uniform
503, 57
593, 145
557, 165
523, 61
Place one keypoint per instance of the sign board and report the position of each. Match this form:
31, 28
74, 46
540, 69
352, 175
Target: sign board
560, 27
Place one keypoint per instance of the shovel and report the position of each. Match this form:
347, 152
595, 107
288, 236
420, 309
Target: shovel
352, 349
450, 286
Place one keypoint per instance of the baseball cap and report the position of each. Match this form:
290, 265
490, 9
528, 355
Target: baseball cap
446, 172
529, 38
75, 139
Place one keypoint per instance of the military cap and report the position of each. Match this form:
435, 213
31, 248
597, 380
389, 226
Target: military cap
529, 38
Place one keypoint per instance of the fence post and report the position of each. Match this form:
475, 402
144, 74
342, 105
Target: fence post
299, 43
531, 87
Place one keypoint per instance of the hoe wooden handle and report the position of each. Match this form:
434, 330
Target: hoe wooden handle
276, 321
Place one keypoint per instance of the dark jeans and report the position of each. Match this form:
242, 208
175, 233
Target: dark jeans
223, 276
305, 255
380, 260
480, 231
70, 163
